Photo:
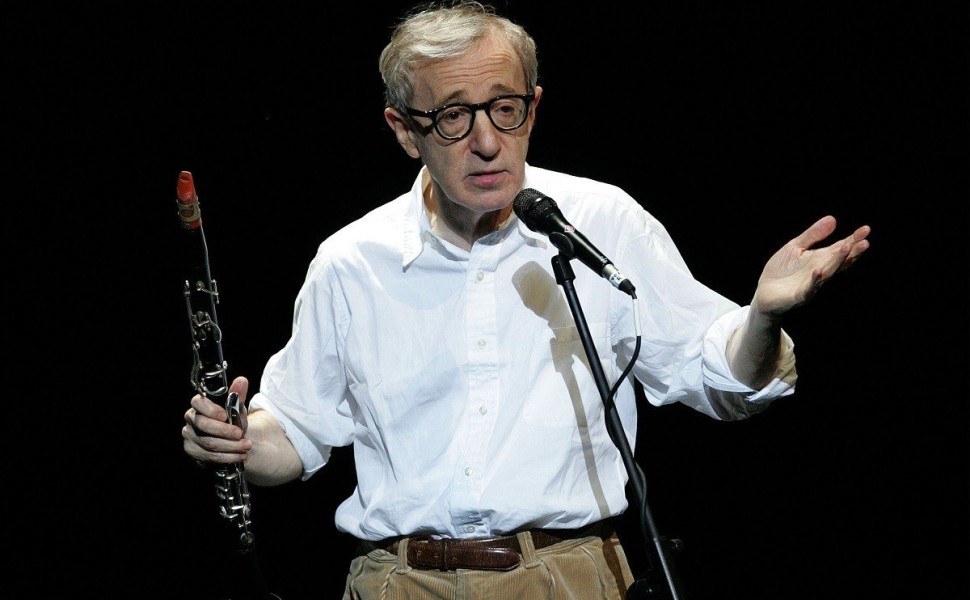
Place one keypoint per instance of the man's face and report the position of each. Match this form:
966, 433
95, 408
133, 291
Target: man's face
485, 170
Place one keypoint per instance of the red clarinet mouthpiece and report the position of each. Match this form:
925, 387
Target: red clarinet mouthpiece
188, 202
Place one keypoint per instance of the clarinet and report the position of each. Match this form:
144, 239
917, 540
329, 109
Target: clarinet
209, 378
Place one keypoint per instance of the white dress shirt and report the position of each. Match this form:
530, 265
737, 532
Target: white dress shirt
460, 378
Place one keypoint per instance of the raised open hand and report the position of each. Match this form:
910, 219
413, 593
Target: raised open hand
795, 273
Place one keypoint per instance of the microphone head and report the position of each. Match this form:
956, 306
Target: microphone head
535, 208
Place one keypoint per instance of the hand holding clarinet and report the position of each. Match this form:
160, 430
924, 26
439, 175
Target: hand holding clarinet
217, 421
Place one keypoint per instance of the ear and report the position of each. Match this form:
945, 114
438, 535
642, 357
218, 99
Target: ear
531, 120
535, 106
402, 131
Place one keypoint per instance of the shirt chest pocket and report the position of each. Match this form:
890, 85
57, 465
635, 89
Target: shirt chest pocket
563, 391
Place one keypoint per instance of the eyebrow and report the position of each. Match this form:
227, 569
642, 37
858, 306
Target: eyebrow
494, 91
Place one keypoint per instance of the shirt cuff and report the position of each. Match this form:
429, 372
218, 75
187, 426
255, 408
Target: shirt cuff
717, 372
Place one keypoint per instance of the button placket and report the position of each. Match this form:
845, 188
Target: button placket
481, 324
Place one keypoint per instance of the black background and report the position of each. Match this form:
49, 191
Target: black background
736, 124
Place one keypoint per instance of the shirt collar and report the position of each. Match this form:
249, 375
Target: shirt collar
532, 237
416, 230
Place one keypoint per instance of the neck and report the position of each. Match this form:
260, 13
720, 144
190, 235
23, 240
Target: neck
458, 224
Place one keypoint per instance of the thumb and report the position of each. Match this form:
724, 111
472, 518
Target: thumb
818, 231
239, 408
240, 385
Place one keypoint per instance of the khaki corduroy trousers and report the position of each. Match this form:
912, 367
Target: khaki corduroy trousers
587, 568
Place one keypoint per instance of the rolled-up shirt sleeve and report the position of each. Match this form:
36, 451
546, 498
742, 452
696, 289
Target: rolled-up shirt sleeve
729, 394
686, 327
304, 385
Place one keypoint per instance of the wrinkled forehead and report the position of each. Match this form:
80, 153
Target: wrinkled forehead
489, 67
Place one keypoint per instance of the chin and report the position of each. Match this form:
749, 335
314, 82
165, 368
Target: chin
495, 198
495, 201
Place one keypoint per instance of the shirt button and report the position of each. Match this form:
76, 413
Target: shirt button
482, 410
480, 276
469, 528
468, 471
481, 343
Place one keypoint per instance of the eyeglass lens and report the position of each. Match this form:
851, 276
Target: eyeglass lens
505, 113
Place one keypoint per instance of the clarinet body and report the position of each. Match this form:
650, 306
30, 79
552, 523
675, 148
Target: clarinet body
209, 377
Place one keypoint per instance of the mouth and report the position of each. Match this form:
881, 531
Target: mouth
486, 178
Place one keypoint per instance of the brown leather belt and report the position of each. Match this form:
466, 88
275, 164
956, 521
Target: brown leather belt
498, 553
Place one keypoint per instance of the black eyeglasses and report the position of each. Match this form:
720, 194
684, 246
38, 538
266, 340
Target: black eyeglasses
455, 121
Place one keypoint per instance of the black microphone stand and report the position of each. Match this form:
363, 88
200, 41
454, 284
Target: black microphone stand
641, 588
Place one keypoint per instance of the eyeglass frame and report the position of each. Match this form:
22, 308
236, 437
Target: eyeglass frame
474, 108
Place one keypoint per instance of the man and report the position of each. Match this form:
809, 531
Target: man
432, 336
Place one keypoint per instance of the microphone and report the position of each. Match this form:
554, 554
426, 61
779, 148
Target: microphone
540, 213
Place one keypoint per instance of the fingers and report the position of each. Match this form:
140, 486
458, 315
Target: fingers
208, 437
797, 271
210, 418
861, 233
853, 246
829, 260
845, 251
859, 242
208, 449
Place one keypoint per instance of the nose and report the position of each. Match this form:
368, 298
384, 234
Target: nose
484, 137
